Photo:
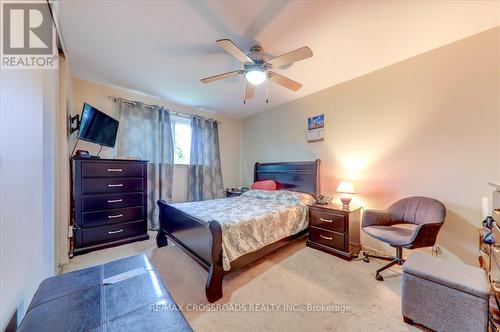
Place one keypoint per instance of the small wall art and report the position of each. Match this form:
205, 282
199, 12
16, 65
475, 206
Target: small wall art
316, 128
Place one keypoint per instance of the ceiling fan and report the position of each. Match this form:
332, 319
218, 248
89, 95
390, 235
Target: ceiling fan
257, 70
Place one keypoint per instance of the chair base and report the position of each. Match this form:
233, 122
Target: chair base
393, 261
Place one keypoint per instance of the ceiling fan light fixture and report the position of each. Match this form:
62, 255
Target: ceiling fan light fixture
256, 76
257, 69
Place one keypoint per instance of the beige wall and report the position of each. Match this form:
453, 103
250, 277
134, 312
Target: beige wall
229, 130
62, 169
426, 126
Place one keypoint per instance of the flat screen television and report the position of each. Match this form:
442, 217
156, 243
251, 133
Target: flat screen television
97, 127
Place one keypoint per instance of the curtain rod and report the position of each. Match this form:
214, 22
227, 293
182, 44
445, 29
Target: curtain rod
151, 106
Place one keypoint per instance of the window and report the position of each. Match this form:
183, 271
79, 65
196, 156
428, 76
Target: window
181, 130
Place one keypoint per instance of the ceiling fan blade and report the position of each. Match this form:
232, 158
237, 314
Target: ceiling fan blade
290, 57
234, 50
221, 76
283, 81
249, 90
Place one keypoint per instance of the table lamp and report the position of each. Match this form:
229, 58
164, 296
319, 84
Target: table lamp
346, 188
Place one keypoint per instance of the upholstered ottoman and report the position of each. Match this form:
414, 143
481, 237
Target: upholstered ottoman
444, 295
123, 295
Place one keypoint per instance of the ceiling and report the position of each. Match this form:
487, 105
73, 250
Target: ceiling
163, 48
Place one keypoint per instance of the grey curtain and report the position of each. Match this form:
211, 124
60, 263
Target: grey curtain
146, 133
205, 175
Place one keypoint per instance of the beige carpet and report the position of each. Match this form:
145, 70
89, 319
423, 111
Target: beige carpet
295, 274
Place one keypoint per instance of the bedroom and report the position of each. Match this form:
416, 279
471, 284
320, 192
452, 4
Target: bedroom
403, 98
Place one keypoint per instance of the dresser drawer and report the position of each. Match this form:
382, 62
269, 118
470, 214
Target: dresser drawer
111, 201
111, 185
328, 220
95, 235
107, 217
111, 169
327, 238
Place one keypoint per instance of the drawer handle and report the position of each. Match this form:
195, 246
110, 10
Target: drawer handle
115, 200
115, 170
325, 237
115, 216
115, 232
115, 185
326, 220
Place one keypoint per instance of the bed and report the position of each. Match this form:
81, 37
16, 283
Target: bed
223, 235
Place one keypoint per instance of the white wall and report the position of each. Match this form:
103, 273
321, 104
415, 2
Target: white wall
229, 130
429, 125
28, 100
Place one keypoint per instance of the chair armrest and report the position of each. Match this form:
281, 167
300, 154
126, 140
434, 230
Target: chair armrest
425, 235
376, 217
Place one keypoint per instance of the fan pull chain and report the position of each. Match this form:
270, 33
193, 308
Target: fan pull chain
267, 90
244, 89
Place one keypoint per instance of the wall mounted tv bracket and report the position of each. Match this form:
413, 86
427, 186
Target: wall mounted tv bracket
72, 126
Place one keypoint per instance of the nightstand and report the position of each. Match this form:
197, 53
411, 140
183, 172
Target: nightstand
233, 193
335, 230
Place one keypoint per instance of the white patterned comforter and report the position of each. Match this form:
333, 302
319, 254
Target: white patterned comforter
253, 220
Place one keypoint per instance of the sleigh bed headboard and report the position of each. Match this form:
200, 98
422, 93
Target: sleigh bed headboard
301, 176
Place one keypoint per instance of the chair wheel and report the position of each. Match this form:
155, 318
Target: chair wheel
379, 277
366, 260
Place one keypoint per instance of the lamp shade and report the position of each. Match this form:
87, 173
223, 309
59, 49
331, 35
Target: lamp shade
256, 76
346, 187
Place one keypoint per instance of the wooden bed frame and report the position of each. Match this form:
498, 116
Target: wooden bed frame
202, 241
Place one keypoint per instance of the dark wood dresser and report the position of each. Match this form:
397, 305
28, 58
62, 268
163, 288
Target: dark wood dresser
335, 230
109, 203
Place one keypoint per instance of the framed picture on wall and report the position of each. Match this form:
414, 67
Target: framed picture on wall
316, 128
